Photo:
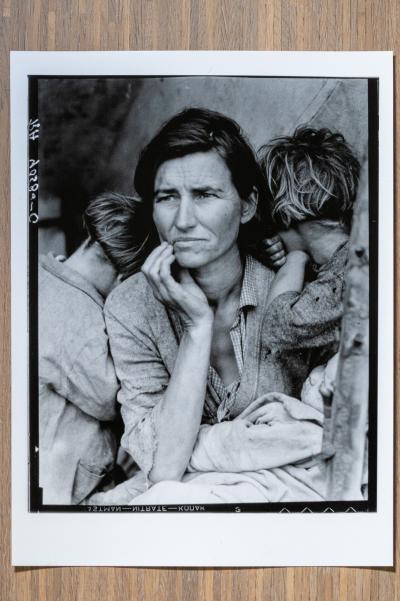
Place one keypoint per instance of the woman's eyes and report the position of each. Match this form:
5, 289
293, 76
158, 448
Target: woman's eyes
203, 194
206, 194
165, 198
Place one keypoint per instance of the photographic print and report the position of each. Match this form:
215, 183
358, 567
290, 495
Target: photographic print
204, 307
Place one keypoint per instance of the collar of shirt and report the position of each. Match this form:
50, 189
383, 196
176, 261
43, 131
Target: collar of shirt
248, 294
57, 267
248, 298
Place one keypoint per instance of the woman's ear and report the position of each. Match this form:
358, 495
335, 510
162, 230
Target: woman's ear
249, 206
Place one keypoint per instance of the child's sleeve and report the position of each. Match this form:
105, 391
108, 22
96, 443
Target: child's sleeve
307, 319
91, 382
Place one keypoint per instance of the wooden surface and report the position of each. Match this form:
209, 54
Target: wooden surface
161, 25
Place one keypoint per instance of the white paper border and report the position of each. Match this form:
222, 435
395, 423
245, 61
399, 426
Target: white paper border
269, 539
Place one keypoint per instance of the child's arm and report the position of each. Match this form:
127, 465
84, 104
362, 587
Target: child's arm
307, 319
290, 277
309, 316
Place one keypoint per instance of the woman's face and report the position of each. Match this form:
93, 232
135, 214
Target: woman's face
197, 208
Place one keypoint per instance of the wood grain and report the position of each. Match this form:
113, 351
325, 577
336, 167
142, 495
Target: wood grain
195, 25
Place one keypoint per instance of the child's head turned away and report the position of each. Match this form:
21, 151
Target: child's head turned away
312, 175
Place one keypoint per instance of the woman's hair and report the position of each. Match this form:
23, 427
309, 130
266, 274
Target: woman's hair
311, 175
113, 221
201, 130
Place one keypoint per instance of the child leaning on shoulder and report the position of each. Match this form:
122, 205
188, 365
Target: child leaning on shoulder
312, 178
79, 419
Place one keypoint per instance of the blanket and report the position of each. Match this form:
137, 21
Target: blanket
269, 453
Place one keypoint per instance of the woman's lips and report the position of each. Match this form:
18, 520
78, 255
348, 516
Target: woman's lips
185, 241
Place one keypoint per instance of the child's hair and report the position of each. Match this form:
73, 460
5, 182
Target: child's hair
112, 221
311, 175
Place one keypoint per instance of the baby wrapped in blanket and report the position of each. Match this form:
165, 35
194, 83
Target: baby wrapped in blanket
269, 453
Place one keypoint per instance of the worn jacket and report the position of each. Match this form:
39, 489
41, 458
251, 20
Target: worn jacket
144, 339
77, 386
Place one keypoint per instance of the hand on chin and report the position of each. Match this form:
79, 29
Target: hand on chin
189, 259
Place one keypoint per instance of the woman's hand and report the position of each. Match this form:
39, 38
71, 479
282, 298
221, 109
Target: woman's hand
184, 295
180, 409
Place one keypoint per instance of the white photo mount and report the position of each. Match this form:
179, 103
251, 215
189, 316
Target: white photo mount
199, 539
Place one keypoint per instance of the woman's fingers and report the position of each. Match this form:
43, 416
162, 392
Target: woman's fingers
184, 295
151, 269
185, 277
155, 269
147, 265
262, 406
263, 413
168, 283
167, 289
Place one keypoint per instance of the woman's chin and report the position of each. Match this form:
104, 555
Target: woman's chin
190, 264
189, 260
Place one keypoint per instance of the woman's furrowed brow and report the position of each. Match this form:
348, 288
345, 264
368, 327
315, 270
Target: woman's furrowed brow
195, 189
164, 191
207, 188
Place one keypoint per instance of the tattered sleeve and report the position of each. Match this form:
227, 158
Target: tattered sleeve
309, 319
143, 379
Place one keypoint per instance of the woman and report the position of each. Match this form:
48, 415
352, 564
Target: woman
187, 334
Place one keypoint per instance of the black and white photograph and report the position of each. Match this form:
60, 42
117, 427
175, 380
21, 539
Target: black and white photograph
203, 289
203, 294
